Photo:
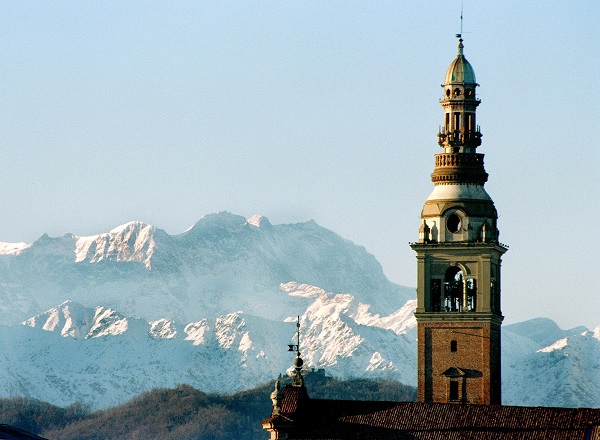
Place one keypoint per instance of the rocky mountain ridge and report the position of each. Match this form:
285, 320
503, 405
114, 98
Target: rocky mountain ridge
221, 264
112, 358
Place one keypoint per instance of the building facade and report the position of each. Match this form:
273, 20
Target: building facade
458, 260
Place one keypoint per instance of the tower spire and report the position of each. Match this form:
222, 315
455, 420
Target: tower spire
458, 259
459, 132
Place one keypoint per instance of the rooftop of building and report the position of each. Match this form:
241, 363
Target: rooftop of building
11, 433
304, 418
460, 70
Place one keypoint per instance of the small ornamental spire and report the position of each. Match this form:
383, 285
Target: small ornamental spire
424, 231
298, 380
276, 398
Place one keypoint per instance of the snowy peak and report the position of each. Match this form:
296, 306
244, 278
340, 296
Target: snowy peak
59, 249
75, 321
133, 241
400, 322
230, 330
544, 365
107, 322
216, 224
259, 221
326, 304
558, 345
163, 329
12, 248
342, 335
70, 319
197, 332
225, 262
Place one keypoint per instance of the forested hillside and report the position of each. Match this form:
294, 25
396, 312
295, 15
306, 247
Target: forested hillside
182, 413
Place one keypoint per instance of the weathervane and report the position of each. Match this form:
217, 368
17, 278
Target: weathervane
298, 381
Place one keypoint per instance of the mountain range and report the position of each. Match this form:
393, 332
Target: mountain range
100, 319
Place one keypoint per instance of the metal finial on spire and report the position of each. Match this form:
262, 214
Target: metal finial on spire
461, 16
298, 362
298, 335
459, 36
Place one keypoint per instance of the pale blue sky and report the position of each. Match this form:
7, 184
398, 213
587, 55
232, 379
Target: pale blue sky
165, 111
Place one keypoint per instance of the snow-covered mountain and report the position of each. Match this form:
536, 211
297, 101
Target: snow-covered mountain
221, 264
544, 365
215, 307
96, 355
100, 357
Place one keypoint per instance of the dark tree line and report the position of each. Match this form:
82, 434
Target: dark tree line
182, 413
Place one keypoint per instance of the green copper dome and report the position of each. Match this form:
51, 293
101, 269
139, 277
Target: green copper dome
460, 70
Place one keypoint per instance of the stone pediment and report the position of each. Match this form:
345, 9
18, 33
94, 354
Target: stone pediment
454, 372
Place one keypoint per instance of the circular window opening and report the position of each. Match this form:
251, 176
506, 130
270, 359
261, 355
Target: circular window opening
457, 91
453, 223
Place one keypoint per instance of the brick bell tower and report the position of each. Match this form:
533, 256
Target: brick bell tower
458, 260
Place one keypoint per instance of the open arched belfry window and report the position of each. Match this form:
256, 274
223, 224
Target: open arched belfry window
459, 294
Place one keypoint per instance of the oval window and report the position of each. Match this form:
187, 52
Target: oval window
453, 223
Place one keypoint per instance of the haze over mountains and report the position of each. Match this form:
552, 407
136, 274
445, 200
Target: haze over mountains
221, 264
109, 316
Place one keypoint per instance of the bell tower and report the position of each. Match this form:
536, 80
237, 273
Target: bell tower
458, 260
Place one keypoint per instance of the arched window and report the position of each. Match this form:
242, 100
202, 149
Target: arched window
454, 223
453, 290
459, 293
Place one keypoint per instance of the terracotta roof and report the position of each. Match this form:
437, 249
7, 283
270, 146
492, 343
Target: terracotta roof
436, 420
293, 399
294, 406
343, 419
